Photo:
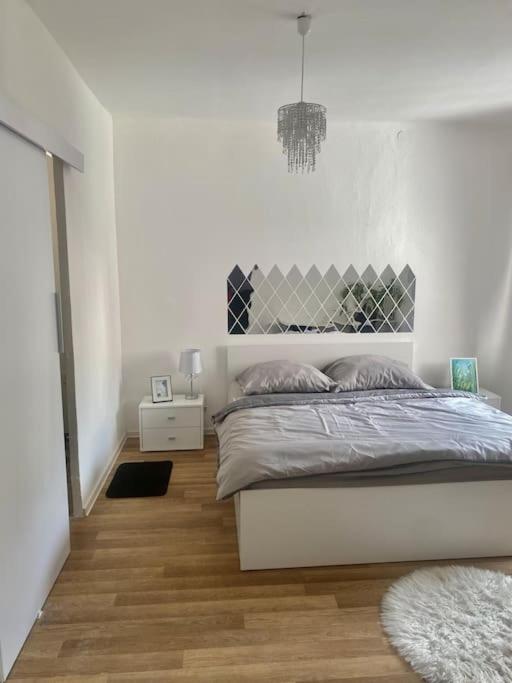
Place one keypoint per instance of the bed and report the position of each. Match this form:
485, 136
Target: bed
306, 518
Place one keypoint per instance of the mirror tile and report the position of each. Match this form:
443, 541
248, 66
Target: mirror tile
314, 303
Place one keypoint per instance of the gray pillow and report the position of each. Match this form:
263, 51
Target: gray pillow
357, 373
283, 377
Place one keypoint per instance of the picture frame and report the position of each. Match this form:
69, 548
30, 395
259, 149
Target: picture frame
464, 374
161, 389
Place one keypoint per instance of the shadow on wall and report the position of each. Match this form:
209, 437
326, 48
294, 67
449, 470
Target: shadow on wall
493, 346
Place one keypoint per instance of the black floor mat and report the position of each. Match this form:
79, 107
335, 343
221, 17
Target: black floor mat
140, 479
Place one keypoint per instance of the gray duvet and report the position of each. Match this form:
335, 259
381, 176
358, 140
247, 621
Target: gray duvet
279, 437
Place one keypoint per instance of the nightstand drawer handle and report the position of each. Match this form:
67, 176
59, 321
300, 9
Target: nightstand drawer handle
171, 438
171, 417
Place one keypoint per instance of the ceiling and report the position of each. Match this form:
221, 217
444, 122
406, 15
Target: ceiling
365, 59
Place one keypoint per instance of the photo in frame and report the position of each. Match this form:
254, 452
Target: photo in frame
161, 389
464, 374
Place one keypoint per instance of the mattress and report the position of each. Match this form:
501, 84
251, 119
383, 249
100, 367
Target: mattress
360, 439
391, 477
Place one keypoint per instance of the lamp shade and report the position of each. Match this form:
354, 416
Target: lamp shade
190, 362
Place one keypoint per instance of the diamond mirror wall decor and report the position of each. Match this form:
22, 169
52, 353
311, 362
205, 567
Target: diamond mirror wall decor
316, 303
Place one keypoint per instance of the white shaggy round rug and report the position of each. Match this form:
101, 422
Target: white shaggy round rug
452, 624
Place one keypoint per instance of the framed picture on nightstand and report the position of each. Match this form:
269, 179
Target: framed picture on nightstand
161, 389
464, 374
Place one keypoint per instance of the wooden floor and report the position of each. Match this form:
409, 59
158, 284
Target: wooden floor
152, 592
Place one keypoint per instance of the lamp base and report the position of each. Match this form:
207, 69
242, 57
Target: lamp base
192, 395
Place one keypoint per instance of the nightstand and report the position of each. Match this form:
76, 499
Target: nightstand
172, 426
491, 398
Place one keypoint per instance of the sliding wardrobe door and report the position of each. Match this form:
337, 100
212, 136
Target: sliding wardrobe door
34, 525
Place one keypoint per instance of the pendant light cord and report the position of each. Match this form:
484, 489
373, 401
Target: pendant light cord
302, 74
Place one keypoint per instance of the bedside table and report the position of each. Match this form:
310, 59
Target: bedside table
490, 397
172, 426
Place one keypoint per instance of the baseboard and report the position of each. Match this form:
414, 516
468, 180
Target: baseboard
101, 481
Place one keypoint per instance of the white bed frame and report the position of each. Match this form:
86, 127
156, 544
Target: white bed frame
313, 527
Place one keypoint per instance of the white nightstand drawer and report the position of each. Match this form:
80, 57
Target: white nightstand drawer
170, 417
183, 438
176, 426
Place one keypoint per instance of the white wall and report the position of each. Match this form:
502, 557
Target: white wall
35, 73
195, 197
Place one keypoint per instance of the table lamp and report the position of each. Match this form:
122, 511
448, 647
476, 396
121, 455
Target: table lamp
190, 365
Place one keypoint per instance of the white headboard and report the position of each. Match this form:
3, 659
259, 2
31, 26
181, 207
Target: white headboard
318, 354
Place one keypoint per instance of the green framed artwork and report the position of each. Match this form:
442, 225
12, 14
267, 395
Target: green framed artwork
464, 374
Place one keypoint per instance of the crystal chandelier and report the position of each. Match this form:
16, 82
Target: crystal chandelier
301, 126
